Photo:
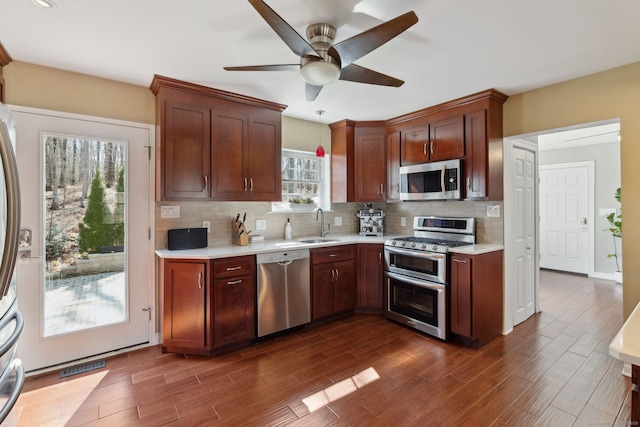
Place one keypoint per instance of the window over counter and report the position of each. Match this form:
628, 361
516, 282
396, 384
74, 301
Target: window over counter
304, 182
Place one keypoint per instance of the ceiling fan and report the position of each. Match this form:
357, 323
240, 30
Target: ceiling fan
321, 61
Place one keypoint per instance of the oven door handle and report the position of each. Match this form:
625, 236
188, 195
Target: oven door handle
416, 282
418, 254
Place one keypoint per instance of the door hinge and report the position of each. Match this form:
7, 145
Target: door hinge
149, 148
149, 233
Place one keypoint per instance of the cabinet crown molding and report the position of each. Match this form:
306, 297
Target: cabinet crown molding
487, 95
167, 82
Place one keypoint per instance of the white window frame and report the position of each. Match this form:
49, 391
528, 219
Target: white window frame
324, 194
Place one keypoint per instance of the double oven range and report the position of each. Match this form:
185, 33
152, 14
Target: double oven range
416, 267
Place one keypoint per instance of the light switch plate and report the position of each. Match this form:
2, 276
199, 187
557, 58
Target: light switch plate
338, 221
261, 224
170, 211
403, 221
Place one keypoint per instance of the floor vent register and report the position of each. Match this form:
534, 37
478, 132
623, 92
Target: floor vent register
78, 369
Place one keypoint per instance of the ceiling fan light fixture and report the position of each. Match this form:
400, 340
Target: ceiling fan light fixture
320, 73
45, 4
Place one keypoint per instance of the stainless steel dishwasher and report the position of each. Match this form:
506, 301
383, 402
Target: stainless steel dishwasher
284, 290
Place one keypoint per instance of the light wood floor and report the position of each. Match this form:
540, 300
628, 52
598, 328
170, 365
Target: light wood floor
552, 370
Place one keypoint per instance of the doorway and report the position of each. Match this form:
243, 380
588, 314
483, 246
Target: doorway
576, 143
86, 286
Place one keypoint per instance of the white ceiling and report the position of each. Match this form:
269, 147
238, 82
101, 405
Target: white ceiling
458, 47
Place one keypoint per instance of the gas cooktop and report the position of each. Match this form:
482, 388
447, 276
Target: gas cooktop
437, 234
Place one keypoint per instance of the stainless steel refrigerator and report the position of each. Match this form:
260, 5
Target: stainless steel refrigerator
11, 321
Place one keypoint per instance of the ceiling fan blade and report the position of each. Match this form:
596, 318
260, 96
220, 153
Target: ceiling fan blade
312, 91
356, 73
356, 47
275, 67
295, 41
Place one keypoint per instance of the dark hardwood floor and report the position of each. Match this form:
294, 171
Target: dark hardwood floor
552, 370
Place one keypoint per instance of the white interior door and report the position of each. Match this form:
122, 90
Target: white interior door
96, 299
524, 193
565, 217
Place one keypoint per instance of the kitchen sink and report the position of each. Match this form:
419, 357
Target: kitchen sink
318, 240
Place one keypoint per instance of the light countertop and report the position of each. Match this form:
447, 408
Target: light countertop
224, 251
626, 345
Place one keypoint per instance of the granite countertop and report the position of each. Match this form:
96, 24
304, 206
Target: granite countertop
224, 251
626, 345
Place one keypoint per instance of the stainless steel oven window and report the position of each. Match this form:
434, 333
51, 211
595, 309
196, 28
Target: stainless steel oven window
419, 303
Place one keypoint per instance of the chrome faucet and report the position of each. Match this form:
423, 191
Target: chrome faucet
323, 232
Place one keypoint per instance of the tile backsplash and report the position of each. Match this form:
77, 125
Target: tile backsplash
220, 215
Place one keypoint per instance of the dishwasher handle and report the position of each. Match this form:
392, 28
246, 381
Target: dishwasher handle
285, 263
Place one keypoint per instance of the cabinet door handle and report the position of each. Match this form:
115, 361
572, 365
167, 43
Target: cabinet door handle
200, 280
234, 268
333, 274
250, 184
424, 148
464, 261
469, 183
381, 188
379, 257
337, 274
206, 183
245, 184
432, 144
235, 282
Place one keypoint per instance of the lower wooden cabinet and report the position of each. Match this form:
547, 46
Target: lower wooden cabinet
476, 297
187, 309
208, 305
370, 278
333, 277
233, 309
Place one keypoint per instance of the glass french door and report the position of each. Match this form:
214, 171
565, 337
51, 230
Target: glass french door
85, 285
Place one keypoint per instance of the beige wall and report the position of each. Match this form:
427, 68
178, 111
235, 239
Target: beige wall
611, 94
35, 86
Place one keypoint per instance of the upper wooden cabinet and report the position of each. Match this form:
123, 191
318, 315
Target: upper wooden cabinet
358, 165
393, 167
5, 59
441, 140
468, 128
215, 145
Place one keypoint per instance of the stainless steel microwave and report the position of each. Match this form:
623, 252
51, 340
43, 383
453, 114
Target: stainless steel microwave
431, 181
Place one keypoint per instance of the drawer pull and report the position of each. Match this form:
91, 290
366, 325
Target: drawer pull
234, 268
235, 282
464, 261
334, 255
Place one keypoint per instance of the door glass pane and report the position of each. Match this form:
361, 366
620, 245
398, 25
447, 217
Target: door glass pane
85, 229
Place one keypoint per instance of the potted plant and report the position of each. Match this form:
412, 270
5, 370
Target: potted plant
615, 228
301, 203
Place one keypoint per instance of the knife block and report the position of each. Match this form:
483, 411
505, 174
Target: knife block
242, 239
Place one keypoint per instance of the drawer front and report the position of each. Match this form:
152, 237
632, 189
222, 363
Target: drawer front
236, 266
334, 253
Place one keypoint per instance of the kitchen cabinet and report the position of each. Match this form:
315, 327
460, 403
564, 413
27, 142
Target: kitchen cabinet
245, 148
436, 141
233, 300
333, 283
215, 145
476, 297
358, 162
370, 278
187, 307
468, 128
483, 157
207, 305
393, 167
5, 59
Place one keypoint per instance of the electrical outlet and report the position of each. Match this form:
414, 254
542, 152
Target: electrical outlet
170, 212
493, 211
403, 221
207, 225
338, 221
261, 224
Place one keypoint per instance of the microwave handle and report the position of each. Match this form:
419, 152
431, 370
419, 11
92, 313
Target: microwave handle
442, 174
